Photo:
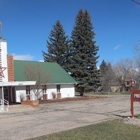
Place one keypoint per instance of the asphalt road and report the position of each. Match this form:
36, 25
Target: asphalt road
55, 117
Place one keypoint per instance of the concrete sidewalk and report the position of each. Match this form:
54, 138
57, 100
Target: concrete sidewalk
55, 117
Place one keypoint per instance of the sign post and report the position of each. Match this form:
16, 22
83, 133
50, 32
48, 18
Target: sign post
135, 97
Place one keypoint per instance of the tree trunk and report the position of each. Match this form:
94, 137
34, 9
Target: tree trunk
82, 91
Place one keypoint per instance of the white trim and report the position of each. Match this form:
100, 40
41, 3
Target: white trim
17, 83
60, 83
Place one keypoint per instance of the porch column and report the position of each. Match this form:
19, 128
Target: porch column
11, 94
2, 96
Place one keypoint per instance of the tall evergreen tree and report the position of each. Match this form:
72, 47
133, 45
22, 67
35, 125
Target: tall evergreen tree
83, 59
103, 68
108, 76
57, 45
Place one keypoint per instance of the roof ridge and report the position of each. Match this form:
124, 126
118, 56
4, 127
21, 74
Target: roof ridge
35, 61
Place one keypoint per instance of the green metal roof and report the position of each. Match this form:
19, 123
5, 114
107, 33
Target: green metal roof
57, 73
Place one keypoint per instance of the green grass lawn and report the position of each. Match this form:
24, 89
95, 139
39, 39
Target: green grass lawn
137, 116
110, 130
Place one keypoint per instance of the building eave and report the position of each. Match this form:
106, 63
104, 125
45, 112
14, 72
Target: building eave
17, 83
61, 83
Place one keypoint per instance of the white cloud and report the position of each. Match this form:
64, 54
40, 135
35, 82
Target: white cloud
41, 60
117, 47
22, 57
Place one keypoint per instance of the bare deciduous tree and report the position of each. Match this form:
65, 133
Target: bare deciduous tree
36, 73
109, 77
124, 70
137, 61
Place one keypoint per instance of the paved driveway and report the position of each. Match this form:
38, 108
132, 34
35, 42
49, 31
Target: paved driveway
57, 117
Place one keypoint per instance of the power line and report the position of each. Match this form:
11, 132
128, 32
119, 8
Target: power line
138, 2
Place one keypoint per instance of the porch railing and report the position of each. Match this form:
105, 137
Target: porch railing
4, 105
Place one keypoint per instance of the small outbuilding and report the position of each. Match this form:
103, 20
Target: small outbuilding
52, 80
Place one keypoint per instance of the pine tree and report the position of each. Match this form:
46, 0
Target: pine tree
57, 45
103, 68
108, 76
83, 59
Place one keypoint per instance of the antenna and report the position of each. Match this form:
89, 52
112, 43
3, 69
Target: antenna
1, 34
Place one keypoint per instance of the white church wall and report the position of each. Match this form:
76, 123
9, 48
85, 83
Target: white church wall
67, 90
51, 89
20, 91
3, 47
0, 93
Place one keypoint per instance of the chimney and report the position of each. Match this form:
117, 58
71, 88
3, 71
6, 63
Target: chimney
10, 68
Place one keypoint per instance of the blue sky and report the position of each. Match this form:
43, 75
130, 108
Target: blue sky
27, 25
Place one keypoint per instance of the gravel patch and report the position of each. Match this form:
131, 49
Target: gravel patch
61, 116
133, 121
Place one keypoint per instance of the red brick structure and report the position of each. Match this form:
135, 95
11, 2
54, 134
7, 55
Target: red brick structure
58, 95
34, 103
10, 64
45, 97
28, 97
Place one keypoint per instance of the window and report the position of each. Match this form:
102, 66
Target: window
58, 88
27, 89
44, 88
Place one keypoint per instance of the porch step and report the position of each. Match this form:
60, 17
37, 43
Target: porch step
20, 108
4, 108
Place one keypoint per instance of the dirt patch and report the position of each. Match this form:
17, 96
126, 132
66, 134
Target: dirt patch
70, 99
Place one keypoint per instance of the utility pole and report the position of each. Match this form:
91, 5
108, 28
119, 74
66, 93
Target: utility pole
136, 1
1, 34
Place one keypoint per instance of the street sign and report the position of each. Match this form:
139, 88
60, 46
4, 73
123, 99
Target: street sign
135, 97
